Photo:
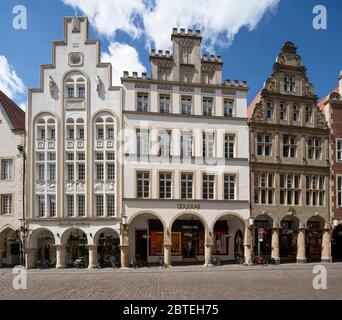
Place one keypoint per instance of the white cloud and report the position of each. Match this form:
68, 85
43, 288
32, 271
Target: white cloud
10, 83
123, 58
156, 18
109, 16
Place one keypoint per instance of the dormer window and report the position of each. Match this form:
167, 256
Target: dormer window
289, 83
75, 59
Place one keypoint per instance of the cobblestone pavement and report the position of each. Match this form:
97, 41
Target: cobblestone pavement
190, 282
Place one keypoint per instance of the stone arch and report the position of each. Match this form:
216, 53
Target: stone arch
66, 234
229, 213
137, 214
313, 237
36, 234
288, 236
6, 245
193, 213
103, 230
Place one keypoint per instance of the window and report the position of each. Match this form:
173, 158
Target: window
7, 169
110, 171
70, 205
142, 102
52, 134
110, 205
52, 205
110, 156
6, 204
315, 190
41, 156
264, 145
42, 134
41, 172
81, 92
70, 156
100, 133
52, 156
187, 185
263, 188
81, 171
282, 112
208, 145
143, 184
186, 54
289, 84
81, 205
81, 156
228, 108
164, 143
186, 105
207, 106
208, 186
289, 146
142, 142
186, 144
339, 191
339, 150
229, 146
165, 185
110, 133
99, 156
52, 175
71, 134
314, 146
70, 172
41, 206
164, 103
295, 113
99, 171
71, 92
308, 114
269, 110
290, 189
229, 187
81, 134
99, 205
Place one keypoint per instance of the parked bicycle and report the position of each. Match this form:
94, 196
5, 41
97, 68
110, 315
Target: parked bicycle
258, 260
46, 264
80, 263
115, 262
240, 259
215, 261
162, 263
136, 262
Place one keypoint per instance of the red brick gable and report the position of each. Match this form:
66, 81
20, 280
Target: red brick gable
14, 113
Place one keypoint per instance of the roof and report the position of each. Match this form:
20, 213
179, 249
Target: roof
321, 104
251, 107
15, 114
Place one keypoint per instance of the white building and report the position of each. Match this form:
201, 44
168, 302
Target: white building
12, 128
73, 178
185, 158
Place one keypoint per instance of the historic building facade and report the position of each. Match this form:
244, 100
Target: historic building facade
290, 165
73, 176
331, 106
12, 130
185, 158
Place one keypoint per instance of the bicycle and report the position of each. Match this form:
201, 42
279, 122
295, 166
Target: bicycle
162, 263
258, 260
215, 261
240, 259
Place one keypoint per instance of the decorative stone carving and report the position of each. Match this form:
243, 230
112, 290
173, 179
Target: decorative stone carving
289, 56
40, 186
320, 120
99, 84
270, 84
164, 88
98, 186
109, 186
52, 86
186, 89
80, 187
309, 89
69, 186
51, 187
258, 113
76, 25
335, 96
208, 90
142, 86
229, 92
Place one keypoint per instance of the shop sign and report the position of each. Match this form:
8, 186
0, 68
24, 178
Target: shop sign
189, 227
74, 225
188, 206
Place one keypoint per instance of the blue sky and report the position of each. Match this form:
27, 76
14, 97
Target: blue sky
248, 57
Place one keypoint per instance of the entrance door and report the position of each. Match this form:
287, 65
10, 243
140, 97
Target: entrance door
337, 244
141, 244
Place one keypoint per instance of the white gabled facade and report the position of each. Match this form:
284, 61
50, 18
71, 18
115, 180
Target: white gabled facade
12, 120
73, 178
185, 158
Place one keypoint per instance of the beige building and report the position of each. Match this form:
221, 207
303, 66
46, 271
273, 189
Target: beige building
12, 130
186, 158
290, 165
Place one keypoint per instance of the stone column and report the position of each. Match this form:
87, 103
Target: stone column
248, 245
208, 252
92, 256
167, 254
31, 258
275, 246
60, 256
301, 256
326, 246
124, 255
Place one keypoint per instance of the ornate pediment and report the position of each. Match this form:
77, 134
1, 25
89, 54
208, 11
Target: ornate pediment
309, 90
335, 96
258, 112
320, 120
270, 84
288, 56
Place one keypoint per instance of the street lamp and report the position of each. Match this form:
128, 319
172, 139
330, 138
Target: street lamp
22, 234
250, 221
